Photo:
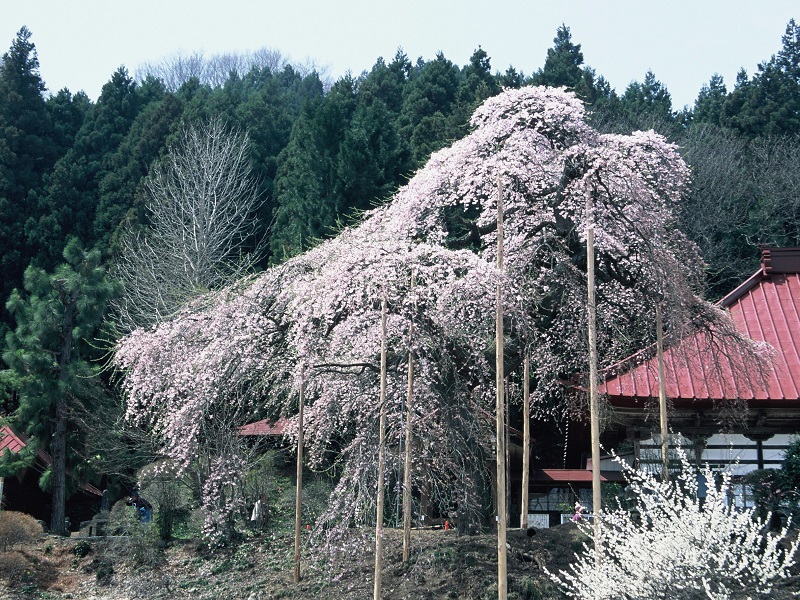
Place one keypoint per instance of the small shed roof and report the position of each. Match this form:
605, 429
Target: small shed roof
265, 427
767, 308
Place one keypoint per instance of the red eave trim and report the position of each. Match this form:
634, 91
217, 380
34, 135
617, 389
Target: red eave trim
573, 476
742, 289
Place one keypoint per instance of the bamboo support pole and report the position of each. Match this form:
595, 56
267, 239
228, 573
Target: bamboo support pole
507, 445
381, 460
298, 503
594, 407
409, 440
662, 397
502, 566
526, 442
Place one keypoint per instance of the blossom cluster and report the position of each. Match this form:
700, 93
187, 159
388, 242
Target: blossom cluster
680, 543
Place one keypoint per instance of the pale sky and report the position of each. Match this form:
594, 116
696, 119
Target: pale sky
684, 42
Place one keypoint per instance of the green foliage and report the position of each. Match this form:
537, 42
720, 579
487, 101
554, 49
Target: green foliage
82, 549
120, 190
710, 101
428, 100
73, 202
790, 468
647, 102
13, 463
56, 317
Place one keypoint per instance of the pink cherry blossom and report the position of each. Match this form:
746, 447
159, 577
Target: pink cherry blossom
245, 347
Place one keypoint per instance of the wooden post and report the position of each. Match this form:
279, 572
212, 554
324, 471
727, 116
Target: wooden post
381, 460
298, 503
507, 444
502, 566
526, 442
662, 397
409, 439
1, 493
594, 407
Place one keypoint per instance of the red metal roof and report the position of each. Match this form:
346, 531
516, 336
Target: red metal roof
14, 442
10, 440
767, 308
265, 427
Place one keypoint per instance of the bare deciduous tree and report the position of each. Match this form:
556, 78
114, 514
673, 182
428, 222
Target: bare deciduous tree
215, 70
202, 204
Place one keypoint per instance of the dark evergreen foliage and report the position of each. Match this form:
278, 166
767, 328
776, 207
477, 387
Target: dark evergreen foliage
27, 153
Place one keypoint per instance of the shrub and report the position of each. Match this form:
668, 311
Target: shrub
679, 546
139, 544
17, 528
162, 485
14, 566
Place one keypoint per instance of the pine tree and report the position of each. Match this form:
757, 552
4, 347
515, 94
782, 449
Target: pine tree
373, 160
307, 189
427, 103
56, 317
26, 152
477, 84
769, 103
120, 190
304, 207
710, 100
647, 104
386, 83
69, 205
562, 68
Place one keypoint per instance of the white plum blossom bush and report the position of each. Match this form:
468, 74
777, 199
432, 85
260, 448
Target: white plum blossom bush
238, 354
674, 544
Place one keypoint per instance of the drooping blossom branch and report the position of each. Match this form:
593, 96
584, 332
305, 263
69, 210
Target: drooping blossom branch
241, 345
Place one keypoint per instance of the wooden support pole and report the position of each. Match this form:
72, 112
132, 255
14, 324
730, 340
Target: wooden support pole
594, 407
526, 442
502, 565
381, 460
298, 503
662, 397
409, 440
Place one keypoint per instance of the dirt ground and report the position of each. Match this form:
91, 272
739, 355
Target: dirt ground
443, 565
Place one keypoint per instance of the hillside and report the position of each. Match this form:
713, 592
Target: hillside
443, 565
